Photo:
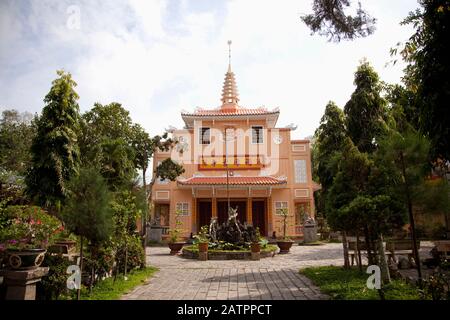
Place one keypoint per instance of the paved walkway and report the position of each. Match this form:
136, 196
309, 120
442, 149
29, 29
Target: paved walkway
270, 278
274, 278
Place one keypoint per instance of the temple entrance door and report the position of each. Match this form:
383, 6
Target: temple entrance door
222, 213
258, 215
204, 213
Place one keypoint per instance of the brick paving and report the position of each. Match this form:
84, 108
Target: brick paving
274, 278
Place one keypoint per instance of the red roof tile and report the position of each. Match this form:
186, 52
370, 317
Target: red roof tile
231, 112
232, 181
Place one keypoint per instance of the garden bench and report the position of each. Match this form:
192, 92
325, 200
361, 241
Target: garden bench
400, 247
353, 252
443, 247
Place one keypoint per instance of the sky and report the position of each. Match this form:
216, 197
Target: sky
159, 57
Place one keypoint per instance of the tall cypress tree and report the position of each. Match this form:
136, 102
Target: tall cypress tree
330, 138
365, 111
54, 151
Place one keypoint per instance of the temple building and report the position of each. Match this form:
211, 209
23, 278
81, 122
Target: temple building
236, 156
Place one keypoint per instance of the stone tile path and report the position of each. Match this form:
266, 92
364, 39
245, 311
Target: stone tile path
270, 278
274, 278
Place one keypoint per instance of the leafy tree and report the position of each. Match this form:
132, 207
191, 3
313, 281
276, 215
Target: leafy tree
329, 19
88, 212
126, 210
351, 178
330, 138
402, 107
107, 143
103, 123
117, 165
168, 169
16, 134
145, 147
427, 53
407, 154
365, 111
54, 150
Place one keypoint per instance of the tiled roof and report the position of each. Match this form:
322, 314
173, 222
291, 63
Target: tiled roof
232, 181
231, 112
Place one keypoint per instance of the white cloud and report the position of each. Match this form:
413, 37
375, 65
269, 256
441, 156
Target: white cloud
156, 62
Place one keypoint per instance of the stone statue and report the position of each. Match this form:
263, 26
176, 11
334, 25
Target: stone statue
310, 221
232, 219
213, 229
232, 231
232, 214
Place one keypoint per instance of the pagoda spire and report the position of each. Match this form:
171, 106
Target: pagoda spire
230, 96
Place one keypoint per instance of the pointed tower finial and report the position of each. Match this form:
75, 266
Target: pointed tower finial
229, 54
230, 96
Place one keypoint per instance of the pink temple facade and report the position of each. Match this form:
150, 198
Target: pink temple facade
267, 171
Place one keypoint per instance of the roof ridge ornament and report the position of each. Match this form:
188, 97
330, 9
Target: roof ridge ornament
292, 126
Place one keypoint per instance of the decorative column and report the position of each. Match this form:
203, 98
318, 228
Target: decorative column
214, 207
194, 215
249, 211
269, 217
21, 284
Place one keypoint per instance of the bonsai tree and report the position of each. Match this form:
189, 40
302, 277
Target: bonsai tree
284, 216
175, 232
285, 243
174, 244
203, 236
257, 235
203, 239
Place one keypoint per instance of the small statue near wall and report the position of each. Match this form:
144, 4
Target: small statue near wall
213, 229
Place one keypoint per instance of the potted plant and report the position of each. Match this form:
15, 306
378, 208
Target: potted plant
67, 239
285, 243
175, 244
255, 245
202, 238
25, 234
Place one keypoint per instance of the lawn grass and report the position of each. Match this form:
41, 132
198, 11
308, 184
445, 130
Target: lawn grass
350, 284
108, 290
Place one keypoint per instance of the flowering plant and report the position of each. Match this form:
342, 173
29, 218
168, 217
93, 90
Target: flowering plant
176, 232
28, 227
203, 235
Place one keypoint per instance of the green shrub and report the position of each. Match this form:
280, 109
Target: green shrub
99, 258
135, 254
437, 286
52, 286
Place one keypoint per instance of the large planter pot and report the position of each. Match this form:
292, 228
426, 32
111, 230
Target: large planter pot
203, 246
25, 259
284, 245
175, 247
255, 247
